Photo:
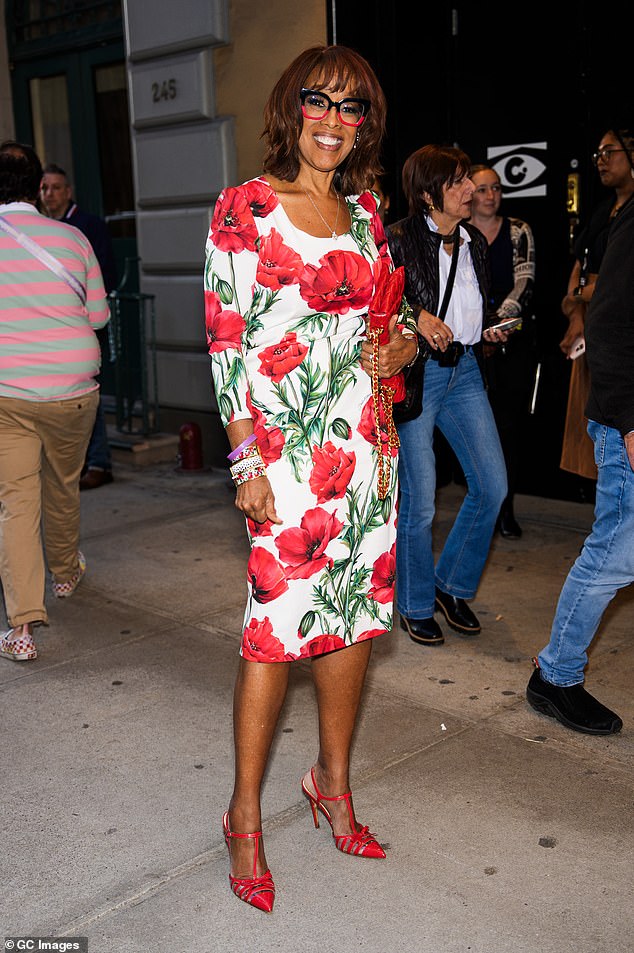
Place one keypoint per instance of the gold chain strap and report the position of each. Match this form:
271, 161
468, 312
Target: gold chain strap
382, 395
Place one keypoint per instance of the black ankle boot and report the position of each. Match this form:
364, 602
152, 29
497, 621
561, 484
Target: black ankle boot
507, 525
574, 707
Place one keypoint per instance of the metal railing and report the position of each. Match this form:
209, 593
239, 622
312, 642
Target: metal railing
132, 342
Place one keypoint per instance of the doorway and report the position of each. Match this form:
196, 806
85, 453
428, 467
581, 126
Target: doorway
73, 108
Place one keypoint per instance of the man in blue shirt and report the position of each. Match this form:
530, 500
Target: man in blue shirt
56, 196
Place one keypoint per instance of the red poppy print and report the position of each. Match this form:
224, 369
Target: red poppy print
332, 470
304, 547
323, 578
279, 359
259, 529
383, 576
267, 577
370, 634
322, 644
224, 328
232, 226
259, 644
270, 440
261, 198
278, 265
342, 281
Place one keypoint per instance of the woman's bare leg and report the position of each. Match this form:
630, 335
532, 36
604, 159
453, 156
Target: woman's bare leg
259, 694
339, 678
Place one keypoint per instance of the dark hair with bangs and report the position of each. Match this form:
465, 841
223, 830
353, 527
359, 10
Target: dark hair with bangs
429, 170
335, 67
20, 172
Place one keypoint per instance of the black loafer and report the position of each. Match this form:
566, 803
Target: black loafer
457, 613
574, 707
423, 631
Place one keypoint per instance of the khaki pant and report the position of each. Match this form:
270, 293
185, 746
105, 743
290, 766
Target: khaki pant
42, 451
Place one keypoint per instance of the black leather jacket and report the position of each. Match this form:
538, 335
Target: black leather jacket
415, 246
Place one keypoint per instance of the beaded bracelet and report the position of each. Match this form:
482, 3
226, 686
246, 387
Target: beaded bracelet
252, 474
252, 451
246, 463
241, 446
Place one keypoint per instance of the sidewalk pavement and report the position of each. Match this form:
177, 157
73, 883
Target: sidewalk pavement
507, 832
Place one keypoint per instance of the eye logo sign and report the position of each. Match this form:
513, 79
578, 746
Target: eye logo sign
521, 169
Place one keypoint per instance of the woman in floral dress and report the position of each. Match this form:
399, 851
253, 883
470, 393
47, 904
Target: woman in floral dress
293, 258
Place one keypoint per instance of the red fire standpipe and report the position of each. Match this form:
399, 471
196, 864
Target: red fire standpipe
190, 453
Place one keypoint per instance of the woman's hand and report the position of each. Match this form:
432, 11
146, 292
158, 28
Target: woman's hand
495, 336
255, 499
571, 302
575, 328
629, 448
437, 334
393, 356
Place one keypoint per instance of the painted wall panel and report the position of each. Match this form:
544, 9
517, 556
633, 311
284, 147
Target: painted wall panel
164, 27
172, 89
173, 240
184, 164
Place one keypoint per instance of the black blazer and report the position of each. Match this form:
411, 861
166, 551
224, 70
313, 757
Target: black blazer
413, 245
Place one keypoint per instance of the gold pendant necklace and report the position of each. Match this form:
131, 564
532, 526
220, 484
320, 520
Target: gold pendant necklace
333, 232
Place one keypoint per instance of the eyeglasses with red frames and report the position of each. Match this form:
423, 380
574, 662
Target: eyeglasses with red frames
317, 105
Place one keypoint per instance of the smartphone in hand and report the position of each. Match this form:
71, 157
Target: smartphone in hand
507, 325
577, 349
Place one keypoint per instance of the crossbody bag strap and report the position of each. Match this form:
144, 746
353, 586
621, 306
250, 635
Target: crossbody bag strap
47, 259
452, 274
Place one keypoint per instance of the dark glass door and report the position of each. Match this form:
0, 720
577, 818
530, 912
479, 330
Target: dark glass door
73, 108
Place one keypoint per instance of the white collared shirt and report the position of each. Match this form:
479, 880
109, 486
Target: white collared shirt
464, 314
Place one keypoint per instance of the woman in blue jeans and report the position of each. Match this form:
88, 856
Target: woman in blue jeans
439, 191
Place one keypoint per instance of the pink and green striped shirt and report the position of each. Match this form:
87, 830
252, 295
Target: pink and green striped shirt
48, 346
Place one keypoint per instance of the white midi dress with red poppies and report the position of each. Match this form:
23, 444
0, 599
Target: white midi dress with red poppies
285, 318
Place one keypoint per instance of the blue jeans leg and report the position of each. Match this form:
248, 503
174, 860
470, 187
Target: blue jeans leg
417, 488
98, 453
604, 565
467, 422
454, 399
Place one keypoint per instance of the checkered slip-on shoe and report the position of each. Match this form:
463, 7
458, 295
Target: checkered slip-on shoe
65, 589
21, 649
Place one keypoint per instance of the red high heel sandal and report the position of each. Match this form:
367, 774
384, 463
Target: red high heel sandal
257, 891
360, 844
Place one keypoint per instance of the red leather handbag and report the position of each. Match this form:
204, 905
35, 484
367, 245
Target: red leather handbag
388, 294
